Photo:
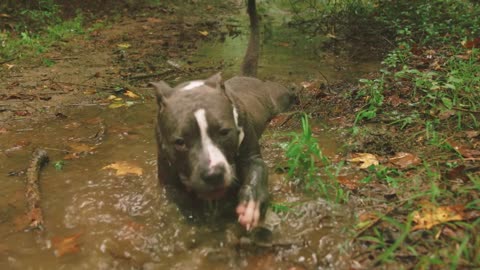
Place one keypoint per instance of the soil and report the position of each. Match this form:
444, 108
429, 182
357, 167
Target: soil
125, 55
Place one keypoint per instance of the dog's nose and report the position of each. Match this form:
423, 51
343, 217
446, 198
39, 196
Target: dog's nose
214, 175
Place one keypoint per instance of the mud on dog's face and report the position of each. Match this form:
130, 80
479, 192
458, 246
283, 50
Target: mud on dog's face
198, 134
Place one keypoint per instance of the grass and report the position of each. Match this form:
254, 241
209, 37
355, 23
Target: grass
309, 168
49, 30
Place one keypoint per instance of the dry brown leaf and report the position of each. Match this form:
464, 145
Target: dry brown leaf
80, 147
472, 133
431, 215
153, 20
464, 150
365, 159
350, 182
124, 168
404, 160
67, 245
78, 150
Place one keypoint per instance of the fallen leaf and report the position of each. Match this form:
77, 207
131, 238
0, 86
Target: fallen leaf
284, 44
405, 160
395, 100
470, 44
22, 113
203, 33
124, 46
66, 245
366, 219
9, 66
116, 105
78, 150
3, 130
89, 92
130, 94
154, 20
72, 125
464, 150
472, 133
81, 147
124, 168
365, 159
457, 173
349, 182
431, 215
445, 114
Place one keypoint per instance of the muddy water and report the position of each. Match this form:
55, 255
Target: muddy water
126, 221
96, 219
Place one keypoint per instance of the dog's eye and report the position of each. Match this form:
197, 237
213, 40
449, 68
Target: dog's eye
180, 144
225, 131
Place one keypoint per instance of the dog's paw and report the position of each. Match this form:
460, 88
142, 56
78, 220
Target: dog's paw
249, 214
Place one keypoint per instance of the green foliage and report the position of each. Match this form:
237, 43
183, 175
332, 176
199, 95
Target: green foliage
29, 43
305, 160
345, 17
59, 165
429, 21
279, 207
372, 91
46, 12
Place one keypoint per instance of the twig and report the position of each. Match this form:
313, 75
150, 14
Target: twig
464, 110
464, 159
32, 192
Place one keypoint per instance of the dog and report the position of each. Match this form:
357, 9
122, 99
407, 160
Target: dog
208, 138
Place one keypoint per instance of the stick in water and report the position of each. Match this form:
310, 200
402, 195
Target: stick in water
32, 193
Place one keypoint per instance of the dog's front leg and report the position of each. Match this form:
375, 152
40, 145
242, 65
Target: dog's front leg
253, 192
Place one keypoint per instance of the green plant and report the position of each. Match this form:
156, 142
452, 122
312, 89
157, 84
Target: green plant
373, 93
303, 153
46, 13
279, 207
305, 159
59, 165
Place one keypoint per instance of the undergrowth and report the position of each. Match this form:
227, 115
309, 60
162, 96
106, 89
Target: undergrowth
428, 90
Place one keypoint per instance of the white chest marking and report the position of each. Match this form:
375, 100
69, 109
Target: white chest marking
215, 155
193, 84
241, 134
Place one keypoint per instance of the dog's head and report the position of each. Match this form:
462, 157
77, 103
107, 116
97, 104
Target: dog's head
198, 134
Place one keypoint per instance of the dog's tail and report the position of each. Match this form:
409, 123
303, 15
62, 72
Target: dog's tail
250, 60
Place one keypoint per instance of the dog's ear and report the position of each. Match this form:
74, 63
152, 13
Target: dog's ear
215, 81
162, 91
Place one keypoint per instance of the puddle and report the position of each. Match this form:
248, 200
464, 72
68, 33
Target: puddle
286, 55
126, 222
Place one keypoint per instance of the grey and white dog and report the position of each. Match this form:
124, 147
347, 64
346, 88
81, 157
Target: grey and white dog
207, 134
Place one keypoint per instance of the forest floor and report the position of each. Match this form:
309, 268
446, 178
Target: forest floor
412, 180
